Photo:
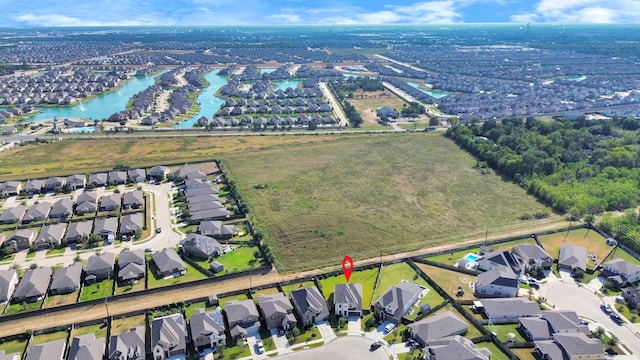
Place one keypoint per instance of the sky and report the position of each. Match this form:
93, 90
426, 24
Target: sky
32, 13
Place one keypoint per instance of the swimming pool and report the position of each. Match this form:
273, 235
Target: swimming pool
80, 130
471, 258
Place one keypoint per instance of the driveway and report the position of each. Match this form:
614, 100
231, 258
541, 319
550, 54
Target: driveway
354, 325
342, 348
280, 341
326, 331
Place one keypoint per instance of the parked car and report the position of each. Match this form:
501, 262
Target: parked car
615, 317
158, 230
389, 328
148, 250
259, 347
375, 346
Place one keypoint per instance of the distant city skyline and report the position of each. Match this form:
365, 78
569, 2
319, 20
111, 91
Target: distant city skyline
34, 13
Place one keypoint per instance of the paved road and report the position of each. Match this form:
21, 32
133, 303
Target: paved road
337, 109
342, 348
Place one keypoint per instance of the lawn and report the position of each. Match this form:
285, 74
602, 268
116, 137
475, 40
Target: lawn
124, 324
296, 286
393, 274
191, 275
449, 280
43, 338
123, 289
14, 346
504, 330
18, 308
267, 291
240, 259
429, 195
589, 239
267, 339
57, 300
97, 290
367, 278
100, 330
191, 309
226, 299
241, 350
56, 251
451, 258
523, 354
619, 253
309, 334
496, 353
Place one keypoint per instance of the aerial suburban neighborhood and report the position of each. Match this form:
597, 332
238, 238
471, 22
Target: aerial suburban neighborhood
190, 194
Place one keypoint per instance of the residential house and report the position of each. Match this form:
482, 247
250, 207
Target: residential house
397, 301
455, 348
629, 272
131, 265
192, 184
631, 295
207, 329
202, 206
8, 282
110, 202
199, 199
13, 214
50, 235
217, 229
37, 212
564, 321
572, 257
159, 173
86, 347
33, 285
62, 209
98, 179
34, 186
243, 318
496, 284
117, 177
128, 345
107, 228
75, 182
507, 308
277, 311
347, 299
436, 327
20, 239
14, 356
52, 350
133, 200
130, 224
10, 188
533, 256
310, 306
99, 267
66, 280
87, 202
570, 346
137, 175
211, 214
535, 329
78, 230
54, 182
386, 113
184, 171
168, 336
500, 261
168, 263
196, 193
200, 246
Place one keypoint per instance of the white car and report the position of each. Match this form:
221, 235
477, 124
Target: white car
259, 347
389, 328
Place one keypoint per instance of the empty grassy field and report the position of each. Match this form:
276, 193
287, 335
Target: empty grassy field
370, 195
589, 239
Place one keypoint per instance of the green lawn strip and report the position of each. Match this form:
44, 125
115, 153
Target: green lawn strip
124, 324
192, 308
624, 310
240, 259
191, 275
310, 346
56, 251
496, 353
396, 336
503, 330
123, 289
18, 308
43, 338
367, 278
31, 255
240, 350
393, 274
267, 339
619, 253
8, 258
100, 330
262, 292
449, 280
453, 257
309, 334
57, 300
296, 286
226, 299
14, 346
97, 290
188, 229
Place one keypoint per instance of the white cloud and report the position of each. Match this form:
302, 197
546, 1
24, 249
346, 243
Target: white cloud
285, 18
64, 20
583, 11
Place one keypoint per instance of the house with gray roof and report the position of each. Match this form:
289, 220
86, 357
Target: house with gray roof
563, 321
168, 263
13, 214
78, 230
131, 223
62, 209
277, 311
204, 198
52, 350
159, 172
629, 272
14, 356
200, 246
50, 235
310, 305
86, 207
570, 346
20, 239
202, 206
131, 266
137, 175
128, 345
535, 329
8, 282
37, 212
217, 230
66, 280
195, 193
496, 284
99, 267
168, 336
455, 348
110, 202
33, 285
133, 200
34, 186
54, 182
86, 347
631, 295
98, 179
437, 327
572, 257
10, 188
117, 177
243, 318
197, 183
184, 171
397, 301
211, 214
207, 329
533, 256
75, 182
501, 261
507, 308
107, 227
347, 299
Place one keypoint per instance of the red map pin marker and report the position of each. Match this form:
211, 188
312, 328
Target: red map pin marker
347, 267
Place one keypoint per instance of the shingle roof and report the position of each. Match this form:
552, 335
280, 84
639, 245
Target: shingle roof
201, 245
348, 294
89, 196
37, 211
499, 278
206, 323
135, 197
237, 310
104, 260
169, 331
398, 297
62, 207
67, 277
86, 347
34, 283
216, 228
575, 344
78, 229
130, 223
5, 278
456, 348
538, 328
52, 234
531, 251
561, 320
129, 344
131, 256
549, 348
47, 351
510, 308
309, 299
274, 304
167, 260
106, 226
623, 267
573, 256
13, 214
438, 326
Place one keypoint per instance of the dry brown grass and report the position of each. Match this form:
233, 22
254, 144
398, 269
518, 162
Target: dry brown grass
450, 280
592, 241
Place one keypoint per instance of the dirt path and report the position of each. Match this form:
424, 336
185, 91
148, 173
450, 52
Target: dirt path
35, 321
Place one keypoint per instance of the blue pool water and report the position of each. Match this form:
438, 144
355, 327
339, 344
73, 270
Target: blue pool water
471, 258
